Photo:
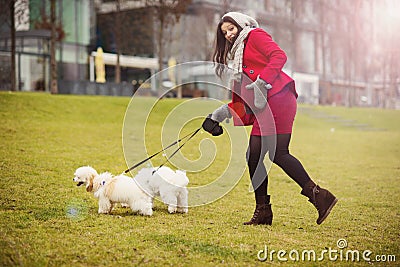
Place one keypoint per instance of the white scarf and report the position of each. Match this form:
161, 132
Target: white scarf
236, 53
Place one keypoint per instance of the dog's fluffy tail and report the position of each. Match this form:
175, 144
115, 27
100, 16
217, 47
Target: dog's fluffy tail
177, 178
183, 180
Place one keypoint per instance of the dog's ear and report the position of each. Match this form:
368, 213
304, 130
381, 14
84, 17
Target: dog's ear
89, 187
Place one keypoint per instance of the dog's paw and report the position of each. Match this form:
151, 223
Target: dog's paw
103, 211
146, 212
182, 210
172, 209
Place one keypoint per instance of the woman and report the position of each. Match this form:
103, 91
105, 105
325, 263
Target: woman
260, 60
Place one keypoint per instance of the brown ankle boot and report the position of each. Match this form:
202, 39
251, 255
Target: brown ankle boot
262, 213
321, 198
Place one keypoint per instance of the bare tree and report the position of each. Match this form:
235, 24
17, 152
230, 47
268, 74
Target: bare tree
53, 63
167, 13
117, 19
124, 29
118, 40
57, 35
13, 16
12, 28
226, 6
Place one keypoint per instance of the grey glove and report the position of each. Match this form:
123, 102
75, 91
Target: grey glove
221, 113
260, 88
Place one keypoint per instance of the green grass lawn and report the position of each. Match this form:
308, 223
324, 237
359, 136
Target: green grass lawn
46, 220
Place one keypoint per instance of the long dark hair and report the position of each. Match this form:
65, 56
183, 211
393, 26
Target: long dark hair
222, 46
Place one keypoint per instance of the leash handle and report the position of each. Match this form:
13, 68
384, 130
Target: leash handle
174, 143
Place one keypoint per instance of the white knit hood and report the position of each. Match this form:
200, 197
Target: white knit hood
242, 19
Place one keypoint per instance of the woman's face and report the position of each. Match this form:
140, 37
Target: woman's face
229, 31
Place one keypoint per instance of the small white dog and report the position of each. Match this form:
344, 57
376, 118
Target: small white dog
111, 189
168, 184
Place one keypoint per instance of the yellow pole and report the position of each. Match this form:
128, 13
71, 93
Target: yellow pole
100, 68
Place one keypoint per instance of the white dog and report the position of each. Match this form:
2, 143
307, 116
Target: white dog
166, 183
114, 189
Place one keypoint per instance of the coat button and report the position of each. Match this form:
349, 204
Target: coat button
251, 71
244, 66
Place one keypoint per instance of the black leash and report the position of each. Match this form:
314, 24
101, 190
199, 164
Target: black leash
190, 135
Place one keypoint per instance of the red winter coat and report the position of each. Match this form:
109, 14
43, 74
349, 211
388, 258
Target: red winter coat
261, 56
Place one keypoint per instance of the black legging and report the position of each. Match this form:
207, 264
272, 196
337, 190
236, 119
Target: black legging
279, 154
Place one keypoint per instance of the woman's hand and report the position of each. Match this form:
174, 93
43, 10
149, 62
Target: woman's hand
260, 88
